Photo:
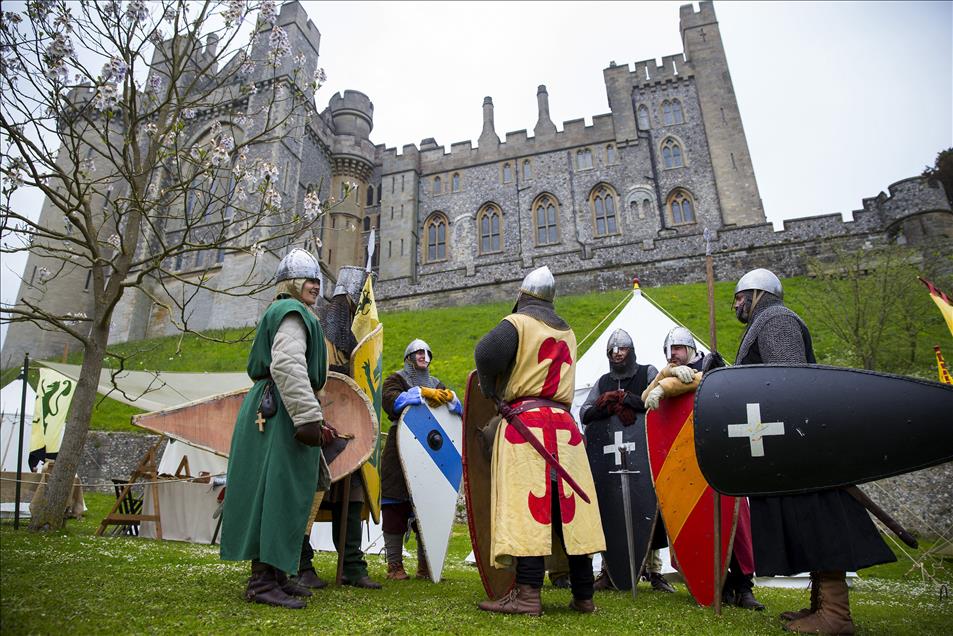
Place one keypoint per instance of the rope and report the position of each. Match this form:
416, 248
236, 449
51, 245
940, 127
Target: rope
913, 513
110, 485
606, 317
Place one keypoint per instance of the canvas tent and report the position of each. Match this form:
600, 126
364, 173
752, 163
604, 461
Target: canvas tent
10, 397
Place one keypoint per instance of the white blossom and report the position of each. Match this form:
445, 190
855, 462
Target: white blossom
55, 55
271, 198
107, 97
278, 45
268, 12
114, 70
151, 128
298, 59
44, 274
75, 319
189, 113
257, 249
234, 12
115, 241
223, 150
156, 83
267, 171
137, 11
312, 205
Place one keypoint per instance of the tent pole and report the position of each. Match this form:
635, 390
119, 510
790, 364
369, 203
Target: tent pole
16, 510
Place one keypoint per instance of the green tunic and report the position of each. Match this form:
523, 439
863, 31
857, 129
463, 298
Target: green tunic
272, 477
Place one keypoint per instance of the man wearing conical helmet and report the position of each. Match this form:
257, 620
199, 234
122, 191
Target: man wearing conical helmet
527, 364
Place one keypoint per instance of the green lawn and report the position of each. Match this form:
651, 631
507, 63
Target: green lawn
74, 582
453, 332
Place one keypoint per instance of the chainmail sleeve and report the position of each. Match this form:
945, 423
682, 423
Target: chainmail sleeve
494, 356
781, 341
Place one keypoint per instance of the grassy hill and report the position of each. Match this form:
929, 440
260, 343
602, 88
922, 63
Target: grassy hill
453, 332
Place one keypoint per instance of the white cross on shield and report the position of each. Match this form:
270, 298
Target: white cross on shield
617, 447
755, 430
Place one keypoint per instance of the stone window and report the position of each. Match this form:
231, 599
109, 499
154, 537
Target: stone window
644, 123
380, 191
489, 222
545, 215
672, 112
455, 182
583, 159
680, 207
437, 185
672, 156
527, 169
370, 195
435, 229
507, 172
602, 202
367, 224
611, 154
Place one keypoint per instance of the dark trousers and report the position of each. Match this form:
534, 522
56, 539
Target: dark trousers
736, 580
355, 566
530, 570
394, 517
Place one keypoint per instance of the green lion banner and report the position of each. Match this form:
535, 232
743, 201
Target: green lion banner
54, 393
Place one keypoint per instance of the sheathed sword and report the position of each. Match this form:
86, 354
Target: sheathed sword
512, 417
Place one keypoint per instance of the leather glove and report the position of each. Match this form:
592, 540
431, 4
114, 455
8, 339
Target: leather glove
683, 373
436, 397
310, 434
408, 397
607, 399
328, 434
653, 398
627, 415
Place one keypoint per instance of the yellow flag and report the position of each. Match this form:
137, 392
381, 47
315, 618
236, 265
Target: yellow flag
943, 372
54, 393
943, 303
365, 316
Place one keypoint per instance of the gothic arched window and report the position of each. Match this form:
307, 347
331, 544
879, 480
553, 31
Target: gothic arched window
527, 169
455, 182
583, 159
681, 208
435, 229
370, 195
644, 123
545, 215
489, 224
507, 172
672, 156
436, 185
602, 202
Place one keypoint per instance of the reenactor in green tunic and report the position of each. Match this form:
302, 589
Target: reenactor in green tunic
275, 462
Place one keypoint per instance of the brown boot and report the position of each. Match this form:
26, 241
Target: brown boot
582, 605
263, 587
423, 571
290, 586
603, 583
833, 614
395, 572
522, 599
804, 611
310, 578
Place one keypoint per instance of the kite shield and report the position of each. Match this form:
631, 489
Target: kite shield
478, 411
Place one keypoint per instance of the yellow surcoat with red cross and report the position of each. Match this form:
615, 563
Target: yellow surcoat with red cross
521, 523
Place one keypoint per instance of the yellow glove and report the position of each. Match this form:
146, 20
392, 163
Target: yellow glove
436, 397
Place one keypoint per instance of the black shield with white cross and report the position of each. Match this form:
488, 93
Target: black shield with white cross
772, 429
618, 456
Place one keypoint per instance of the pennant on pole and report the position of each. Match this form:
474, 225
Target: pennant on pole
54, 393
943, 303
943, 372
365, 316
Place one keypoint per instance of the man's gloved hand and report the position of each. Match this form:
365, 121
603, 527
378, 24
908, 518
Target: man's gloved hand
408, 397
455, 405
436, 397
653, 398
683, 373
310, 433
328, 434
609, 398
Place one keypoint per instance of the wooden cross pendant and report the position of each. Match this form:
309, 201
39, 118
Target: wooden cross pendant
260, 422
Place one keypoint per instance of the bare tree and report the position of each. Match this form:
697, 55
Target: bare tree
134, 190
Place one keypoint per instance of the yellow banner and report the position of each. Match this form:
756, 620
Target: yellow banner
365, 316
942, 301
368, 371
943, 372
54, 393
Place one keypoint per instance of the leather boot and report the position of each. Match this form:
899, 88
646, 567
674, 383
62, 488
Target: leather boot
310, 578
423, 569
582, 605
289, 586
522, 599
263, 588
833, 614
745, 600
658, 582
603, 582
395, 572
805, 611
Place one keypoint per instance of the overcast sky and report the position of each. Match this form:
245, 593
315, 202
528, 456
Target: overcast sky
838, 99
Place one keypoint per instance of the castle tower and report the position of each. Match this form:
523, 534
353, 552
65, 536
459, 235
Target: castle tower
400, 176
352, 156
727, 144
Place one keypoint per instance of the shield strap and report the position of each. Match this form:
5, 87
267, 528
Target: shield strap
511, 413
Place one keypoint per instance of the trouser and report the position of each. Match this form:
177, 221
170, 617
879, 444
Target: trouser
736, 580
530, 570
355, 566
394, 517
653, 562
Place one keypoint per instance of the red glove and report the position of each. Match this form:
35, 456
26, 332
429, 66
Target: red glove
310, 434
328, 433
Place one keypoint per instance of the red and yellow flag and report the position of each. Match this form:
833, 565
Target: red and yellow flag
943, 303
944, 373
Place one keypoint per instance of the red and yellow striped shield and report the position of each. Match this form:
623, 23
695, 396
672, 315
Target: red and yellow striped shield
685, 498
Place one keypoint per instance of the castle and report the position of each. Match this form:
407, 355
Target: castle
632, 193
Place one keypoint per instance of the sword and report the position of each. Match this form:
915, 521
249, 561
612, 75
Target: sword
514, 420
627, 511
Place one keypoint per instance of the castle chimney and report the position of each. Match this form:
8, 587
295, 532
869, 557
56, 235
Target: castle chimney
488, 138
544, 125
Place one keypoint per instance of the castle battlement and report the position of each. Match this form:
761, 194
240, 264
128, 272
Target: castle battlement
691, 18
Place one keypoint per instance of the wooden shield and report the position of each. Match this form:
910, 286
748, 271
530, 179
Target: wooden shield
764, 430
686, 500
209, 423
367, 371
610, 445
429, 443
477, 412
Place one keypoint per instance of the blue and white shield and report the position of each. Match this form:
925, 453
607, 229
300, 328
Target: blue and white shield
430, 443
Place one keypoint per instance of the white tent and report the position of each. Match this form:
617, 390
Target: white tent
10, 398
647, 323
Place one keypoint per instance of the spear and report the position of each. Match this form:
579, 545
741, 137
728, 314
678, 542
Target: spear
716, 513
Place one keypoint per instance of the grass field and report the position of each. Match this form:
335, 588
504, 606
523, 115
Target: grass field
454, 331
74, 582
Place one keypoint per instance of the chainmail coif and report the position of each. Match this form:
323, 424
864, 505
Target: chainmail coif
777, 330
336, 320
